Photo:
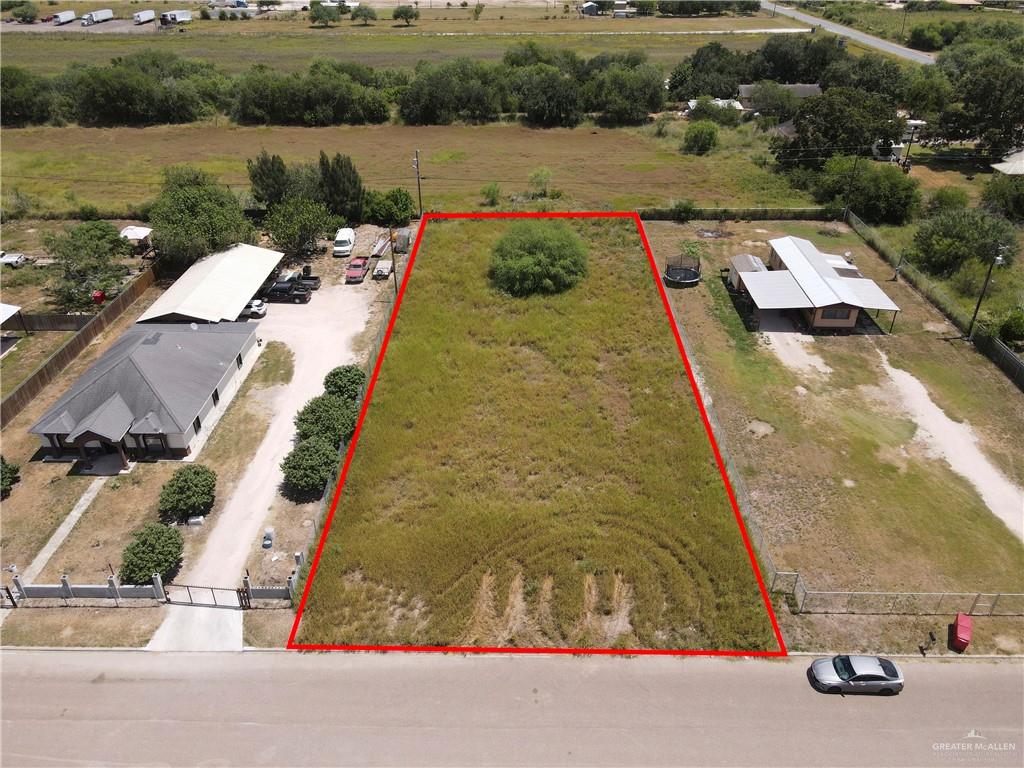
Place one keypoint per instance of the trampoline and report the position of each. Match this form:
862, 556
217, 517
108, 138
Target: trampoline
682, 271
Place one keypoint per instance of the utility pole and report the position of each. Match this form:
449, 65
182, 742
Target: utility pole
419, 188
906, 7
849, 188
997, 261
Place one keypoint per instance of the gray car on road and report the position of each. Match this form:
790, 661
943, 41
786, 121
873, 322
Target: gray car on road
856, 674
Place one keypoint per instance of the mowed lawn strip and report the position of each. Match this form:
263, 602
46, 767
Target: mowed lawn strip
534, 472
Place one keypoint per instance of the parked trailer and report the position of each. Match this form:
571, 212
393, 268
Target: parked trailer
143, 17
169, 18
64, 17
97, 17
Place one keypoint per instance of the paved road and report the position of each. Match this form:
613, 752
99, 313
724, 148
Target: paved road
133, 708
875, 42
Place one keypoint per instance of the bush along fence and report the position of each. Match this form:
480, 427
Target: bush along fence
984, 338
15, 402
791, 585
688, 212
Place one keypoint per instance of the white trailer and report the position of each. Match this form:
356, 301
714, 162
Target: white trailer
143, 17
64, 17
170, 18
97, 17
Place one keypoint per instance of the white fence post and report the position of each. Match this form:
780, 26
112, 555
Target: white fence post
16, 580
112, 586
158, 588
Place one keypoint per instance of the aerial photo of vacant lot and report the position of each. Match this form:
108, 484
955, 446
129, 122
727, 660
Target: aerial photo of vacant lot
534, 472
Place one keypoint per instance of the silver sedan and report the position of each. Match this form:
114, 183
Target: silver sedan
856, 674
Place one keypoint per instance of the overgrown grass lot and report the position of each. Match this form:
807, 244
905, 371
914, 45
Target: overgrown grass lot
534, 472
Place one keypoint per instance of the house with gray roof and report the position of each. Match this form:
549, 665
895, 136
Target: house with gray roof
150, 394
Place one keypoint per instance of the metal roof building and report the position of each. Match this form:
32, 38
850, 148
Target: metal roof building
215, 289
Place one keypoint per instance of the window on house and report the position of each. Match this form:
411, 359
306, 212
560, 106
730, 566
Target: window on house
197, 425
216, 398
835, 314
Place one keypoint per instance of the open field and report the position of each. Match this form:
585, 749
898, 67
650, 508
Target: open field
844, 482
596, 167
77, 627
32, 351
534, 472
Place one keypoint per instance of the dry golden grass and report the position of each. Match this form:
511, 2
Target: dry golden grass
81, 627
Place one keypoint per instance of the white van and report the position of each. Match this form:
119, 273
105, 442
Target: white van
143, 17
96, 17
344, 242
64, 17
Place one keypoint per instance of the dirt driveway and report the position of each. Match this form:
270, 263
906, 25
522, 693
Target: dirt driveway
320, 335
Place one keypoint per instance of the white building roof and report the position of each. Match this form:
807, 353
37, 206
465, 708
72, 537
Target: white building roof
1012, 165
823, 278
136, 233
7, 311
775, 290
216, 288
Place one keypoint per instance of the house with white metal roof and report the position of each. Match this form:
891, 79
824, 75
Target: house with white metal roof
215, 289
827, 289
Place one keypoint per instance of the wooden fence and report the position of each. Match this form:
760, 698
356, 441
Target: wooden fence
47, 322
15, 402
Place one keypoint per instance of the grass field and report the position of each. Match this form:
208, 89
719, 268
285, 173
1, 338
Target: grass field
616, 169
534, 472
839, 477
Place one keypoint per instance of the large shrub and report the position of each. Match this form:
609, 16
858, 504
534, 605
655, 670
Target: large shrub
24, 98
9, 475
326, 417
309, 466
88, 258
1005, 195
944, 243
345, 381
1012, 328
295, 224
394, 208
701, 137
538, 257
156, 548
947, 198
190, 491
879, 193
706, 109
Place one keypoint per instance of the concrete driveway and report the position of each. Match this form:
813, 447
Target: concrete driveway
320, 335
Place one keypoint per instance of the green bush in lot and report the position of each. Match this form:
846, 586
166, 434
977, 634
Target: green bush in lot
155, 548
701, 137
878, 192
9, 475
309, 466
1012, 329
538, 257
295, 224
944, 243
1005, 195
327, 417
190, 492
345, 381
947, 198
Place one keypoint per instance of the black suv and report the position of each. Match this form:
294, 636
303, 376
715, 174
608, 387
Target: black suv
288, 292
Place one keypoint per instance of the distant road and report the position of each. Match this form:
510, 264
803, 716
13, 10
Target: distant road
121, 708
875, 42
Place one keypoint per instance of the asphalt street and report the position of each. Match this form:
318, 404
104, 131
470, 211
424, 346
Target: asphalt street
284, 708
918, 57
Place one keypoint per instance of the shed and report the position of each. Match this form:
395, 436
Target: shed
743, 263
215, 289
589, 9
1012, 165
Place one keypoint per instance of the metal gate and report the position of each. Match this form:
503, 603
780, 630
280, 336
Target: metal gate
205, 596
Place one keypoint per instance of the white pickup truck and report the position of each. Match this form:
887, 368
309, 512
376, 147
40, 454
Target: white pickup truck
13, 260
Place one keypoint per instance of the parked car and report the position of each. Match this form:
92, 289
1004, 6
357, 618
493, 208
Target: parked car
289, 292
13, 260
856, 674
255, 308
357, 269
305, 278
344, 242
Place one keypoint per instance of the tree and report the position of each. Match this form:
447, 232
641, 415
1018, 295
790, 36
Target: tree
155, 548
364, 13
268, 176
770, 98
189, 492
327, 417
540, 180
880, 193
1012, 328
309, 466
871, 73
491, 194
478, 10
345, 382
1005, 195
9, 475
87, 257
194, 216
549, 97
953, 238
342, 186
324, 14
993, 99
24, 98
706, 109
701, 137
394, 208
405, 13
626, 94
713, 70
296, 223
538, 257
26, 13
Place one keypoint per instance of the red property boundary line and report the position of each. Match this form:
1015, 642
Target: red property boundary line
428, 217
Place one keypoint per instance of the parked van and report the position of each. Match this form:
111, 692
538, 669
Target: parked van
143, 17
64, 17
97, 17
170, 18
344, 242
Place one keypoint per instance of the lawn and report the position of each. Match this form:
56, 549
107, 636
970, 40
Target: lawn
31, 352
534, 472
613, 169
839, 479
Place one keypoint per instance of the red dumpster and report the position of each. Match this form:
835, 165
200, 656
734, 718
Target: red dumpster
962, 628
